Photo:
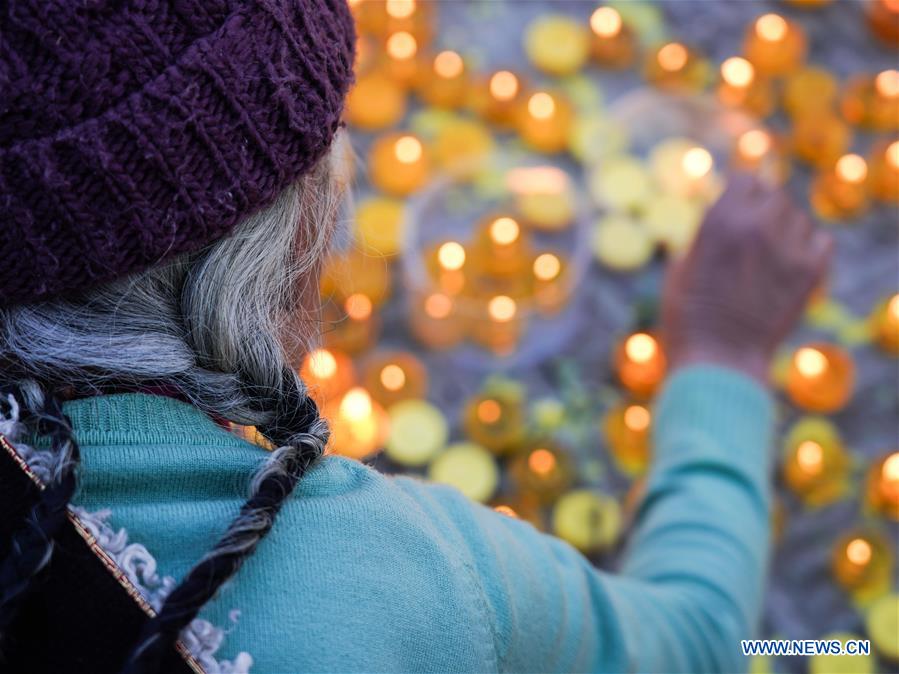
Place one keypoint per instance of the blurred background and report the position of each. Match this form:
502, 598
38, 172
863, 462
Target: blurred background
523, 171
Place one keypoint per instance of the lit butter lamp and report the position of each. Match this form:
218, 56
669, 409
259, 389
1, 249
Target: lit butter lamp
885, 324
469, 468
861, 562
676, 67
398, 164
446, 264
820, 378
882, 486
758, 151
550, 282
502, 247
589, 520
884, 165
873, 102
685, 169
401, 60
544, 470
775, 45
328, 374
352, 327
499, 325
521, 506
496, 421
809, 91
418, 431
820, 139
544, 121
626, 429
842, 191
382, 17
815, 464
445, 83
393, 376
614, 44
436, 320
640, 363
498, 97
359, 426
740, 87
375, 102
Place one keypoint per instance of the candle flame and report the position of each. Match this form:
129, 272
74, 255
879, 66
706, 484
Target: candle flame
489, 411
542, 462
451, 256
640, 347
737, 72
508, 511
810, 457
892, 154
858, 551
503, 85
400, 9
810, 362
637, 418
408, 149
502, 308
852, 168
672, 57
402, 45
358, 306
322, 364
887, 83
890, 470
754, 144
541, 105
771, 27
605, 22
392, 377
893, 307
547, 267
356, 404
438, 305
697, 162
504, 231
448, 64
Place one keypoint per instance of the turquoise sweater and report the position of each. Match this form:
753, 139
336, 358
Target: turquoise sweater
364, 572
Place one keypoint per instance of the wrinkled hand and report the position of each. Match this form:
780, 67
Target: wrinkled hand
744, 284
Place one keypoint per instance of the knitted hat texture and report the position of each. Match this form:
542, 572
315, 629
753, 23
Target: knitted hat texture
135, 130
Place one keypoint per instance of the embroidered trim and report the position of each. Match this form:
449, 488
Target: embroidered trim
134, 568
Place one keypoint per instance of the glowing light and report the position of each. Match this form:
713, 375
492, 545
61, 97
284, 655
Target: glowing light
754, 144
737, 72
408, 149
400, 9
810, 457
640, 347
503, 85
893, 306
448, 64
852, 168
438, 305
502, 308
322, 364
356, 404
402, 45
489, 411
810, 362
890, 470
637, 418
507, 511
537, 180
858, 551
541, 105
392, 377
771, 27
358, 306
892, 154
451, 255
504, 231
542, 462
547, 267
887, 83
605, 22
672, 57
697, 162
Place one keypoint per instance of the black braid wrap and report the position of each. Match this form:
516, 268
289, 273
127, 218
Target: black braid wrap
295, 415
31, 547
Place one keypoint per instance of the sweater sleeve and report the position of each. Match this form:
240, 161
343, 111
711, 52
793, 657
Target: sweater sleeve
692, 576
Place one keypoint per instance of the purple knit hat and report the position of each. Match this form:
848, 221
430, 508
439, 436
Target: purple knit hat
133, 131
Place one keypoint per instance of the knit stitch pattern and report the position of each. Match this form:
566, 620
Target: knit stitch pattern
132, 132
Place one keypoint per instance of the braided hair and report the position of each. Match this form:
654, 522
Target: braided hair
29, 407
